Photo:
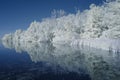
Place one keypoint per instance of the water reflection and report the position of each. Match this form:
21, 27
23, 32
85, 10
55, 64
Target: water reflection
99, 64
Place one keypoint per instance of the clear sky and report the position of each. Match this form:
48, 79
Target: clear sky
18, 14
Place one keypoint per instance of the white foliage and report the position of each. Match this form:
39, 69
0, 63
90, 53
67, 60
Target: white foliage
97, 22
7, 40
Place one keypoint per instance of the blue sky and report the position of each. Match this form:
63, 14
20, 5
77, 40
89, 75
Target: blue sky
18, 14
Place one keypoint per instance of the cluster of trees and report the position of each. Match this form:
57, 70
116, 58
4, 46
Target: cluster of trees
97, 22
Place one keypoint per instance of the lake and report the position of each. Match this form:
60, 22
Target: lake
47, 61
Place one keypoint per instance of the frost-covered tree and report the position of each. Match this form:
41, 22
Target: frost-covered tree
94, 22
7, 40
97, 22
112, 19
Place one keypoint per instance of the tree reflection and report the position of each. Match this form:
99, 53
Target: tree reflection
99, 64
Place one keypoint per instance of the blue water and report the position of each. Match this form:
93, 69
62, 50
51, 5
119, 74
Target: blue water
19, 66
43, 61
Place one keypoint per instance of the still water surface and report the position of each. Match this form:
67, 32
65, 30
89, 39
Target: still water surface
47, 61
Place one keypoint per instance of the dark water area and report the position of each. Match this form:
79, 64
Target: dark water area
19, 66
39, 61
